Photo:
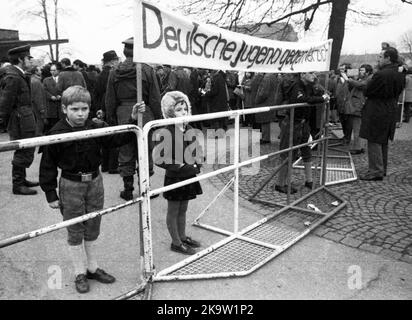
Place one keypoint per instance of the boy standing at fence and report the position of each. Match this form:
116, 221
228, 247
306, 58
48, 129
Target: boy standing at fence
81, 184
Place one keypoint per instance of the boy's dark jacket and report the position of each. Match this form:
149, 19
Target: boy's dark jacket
75, 156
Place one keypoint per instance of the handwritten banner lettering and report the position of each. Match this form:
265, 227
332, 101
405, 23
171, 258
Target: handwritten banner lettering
162, 37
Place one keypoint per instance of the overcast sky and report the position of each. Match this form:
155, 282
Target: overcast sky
96, 26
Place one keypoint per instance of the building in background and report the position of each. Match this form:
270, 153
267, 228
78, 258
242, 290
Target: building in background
10, 39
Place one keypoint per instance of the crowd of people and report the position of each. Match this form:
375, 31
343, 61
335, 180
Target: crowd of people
67, 96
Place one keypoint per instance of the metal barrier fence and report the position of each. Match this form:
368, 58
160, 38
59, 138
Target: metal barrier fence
234, 114
67, 137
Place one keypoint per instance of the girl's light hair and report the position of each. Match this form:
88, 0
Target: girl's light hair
169, 102
75, 94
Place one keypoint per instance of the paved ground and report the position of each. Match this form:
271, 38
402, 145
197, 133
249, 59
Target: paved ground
315, 268
378, 217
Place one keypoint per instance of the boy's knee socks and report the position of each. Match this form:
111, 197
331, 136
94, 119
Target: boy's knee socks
77, 256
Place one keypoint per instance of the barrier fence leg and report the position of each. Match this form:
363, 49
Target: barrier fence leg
325, 146
145, 214
236, 185
291, 132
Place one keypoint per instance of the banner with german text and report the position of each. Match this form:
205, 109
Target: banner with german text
162, 37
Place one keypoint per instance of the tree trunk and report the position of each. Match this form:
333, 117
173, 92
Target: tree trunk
56, 28
46, 21
337, 29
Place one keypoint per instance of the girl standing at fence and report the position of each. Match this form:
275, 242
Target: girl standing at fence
172, 154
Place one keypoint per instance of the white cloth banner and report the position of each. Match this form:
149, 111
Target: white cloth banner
162, 37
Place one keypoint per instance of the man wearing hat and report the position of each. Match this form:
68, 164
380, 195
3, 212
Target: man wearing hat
16, 108
110, 62
121, 95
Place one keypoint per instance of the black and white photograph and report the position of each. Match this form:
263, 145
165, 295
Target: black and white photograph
205, 155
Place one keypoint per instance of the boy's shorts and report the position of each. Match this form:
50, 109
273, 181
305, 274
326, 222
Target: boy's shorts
77, 199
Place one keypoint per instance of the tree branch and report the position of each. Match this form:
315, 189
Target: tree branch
309, 21
314, 6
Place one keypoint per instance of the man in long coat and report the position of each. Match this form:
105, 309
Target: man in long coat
54, 112
16, 109
267, 95
69, 77
38, 99
218, 97
379, 114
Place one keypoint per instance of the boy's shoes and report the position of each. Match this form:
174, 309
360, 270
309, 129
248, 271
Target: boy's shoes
81, 283
24, 191
309, 184
191, 243
182, 248
284, 189
101, 276
113, 171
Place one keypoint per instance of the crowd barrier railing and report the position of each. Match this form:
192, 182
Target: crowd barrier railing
142, 136
237, 164
75, 136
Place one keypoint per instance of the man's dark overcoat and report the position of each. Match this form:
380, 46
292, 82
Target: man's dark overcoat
379, 115
16, 104
218, 95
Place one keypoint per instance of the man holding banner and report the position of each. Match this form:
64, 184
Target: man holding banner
120, 98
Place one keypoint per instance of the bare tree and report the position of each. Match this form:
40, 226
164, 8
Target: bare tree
48, 11
406, 43
249, 15
56, 26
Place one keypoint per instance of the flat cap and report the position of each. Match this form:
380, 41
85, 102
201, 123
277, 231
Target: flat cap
23, 50
109, 56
